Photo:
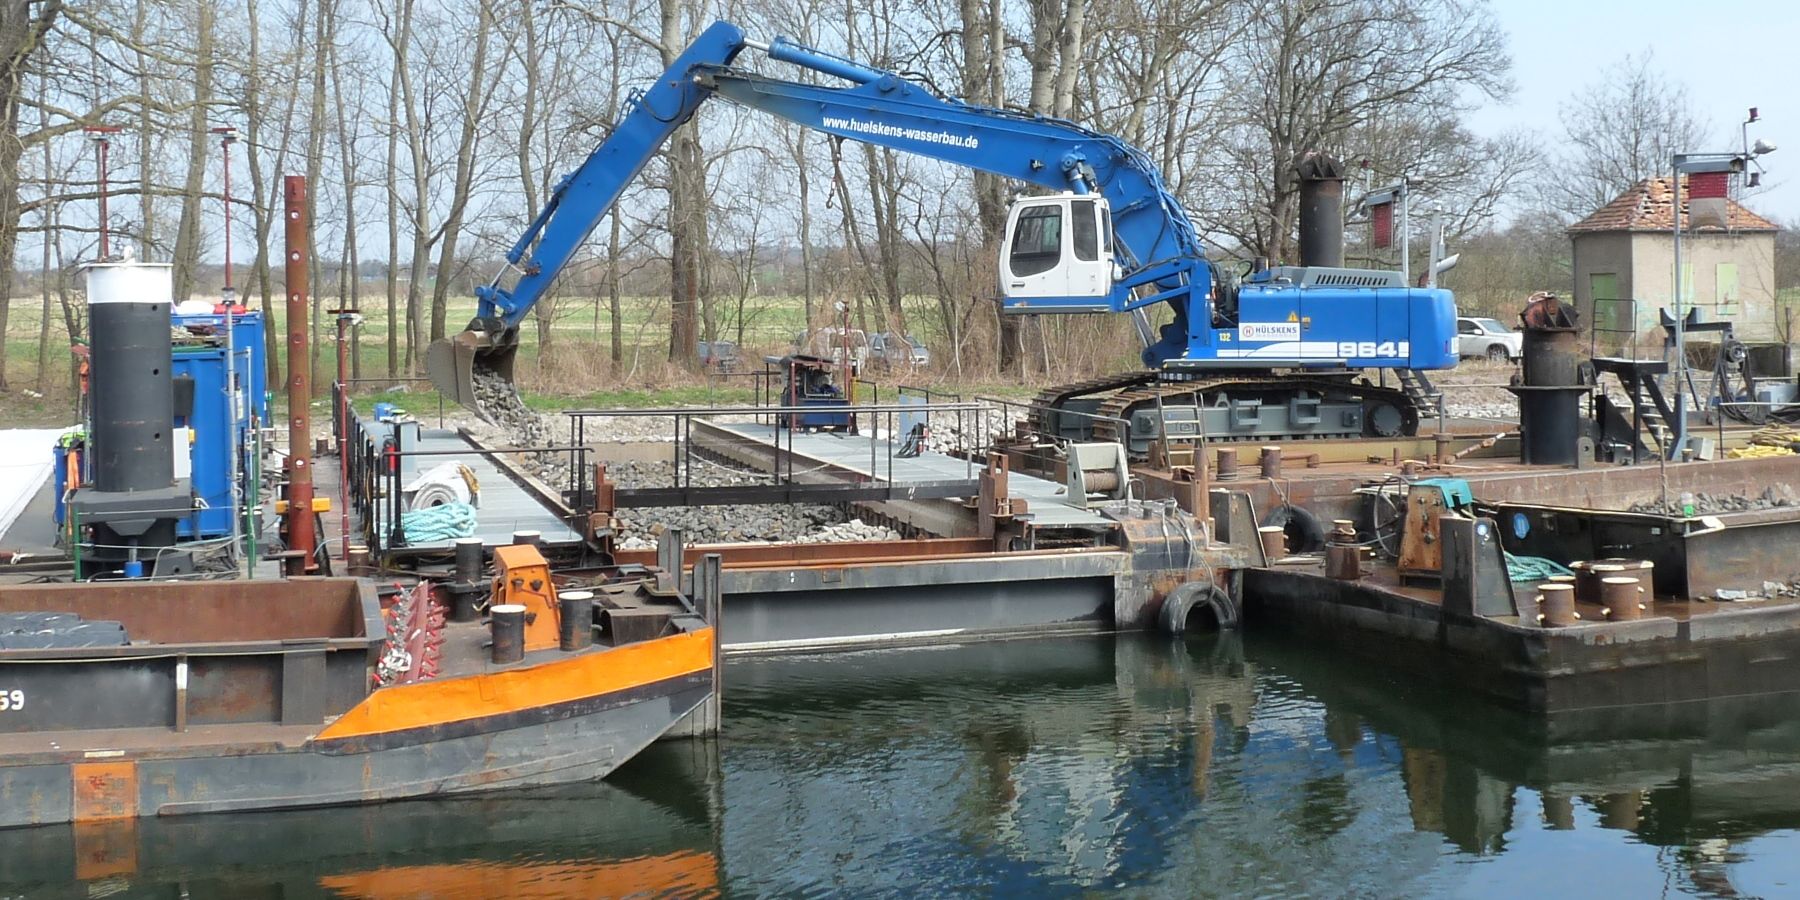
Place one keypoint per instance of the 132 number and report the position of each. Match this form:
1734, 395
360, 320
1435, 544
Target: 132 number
12, 700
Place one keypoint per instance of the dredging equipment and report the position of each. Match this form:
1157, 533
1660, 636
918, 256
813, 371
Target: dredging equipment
1551, 382
125, 518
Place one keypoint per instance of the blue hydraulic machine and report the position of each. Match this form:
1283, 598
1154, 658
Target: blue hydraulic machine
205, 409
806, 381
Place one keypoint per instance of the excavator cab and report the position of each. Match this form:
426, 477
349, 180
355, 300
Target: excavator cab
1058, 253
483, 351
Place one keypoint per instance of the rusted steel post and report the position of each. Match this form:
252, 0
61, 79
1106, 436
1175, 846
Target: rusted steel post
1556, 605
1228, 464
301, 535
1622, 596
1274, 542
1271, 462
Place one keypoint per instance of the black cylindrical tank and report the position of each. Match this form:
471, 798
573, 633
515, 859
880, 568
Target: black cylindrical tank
1321, 210
131, 388
1550, 387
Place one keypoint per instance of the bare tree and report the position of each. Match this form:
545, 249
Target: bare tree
1311, 72
1618, 132
187, 233
22, 31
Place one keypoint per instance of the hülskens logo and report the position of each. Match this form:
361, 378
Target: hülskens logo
1269, 331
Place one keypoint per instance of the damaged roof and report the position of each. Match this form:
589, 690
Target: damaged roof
1646, 207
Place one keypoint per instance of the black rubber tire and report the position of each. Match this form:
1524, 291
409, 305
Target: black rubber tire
1185, 598
1305, 533
1498, 354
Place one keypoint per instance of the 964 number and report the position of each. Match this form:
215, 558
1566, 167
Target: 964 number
12, 700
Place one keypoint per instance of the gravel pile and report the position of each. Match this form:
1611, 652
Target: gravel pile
801, 523
1712, 504
513, 424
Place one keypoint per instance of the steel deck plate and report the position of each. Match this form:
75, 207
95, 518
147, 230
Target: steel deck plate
505, 506
850, 453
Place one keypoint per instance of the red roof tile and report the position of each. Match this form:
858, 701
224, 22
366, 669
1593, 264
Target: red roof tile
1646, 207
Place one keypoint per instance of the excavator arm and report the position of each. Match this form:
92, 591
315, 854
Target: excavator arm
1154, 245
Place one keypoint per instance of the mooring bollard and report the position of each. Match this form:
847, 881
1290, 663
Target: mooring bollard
1343, 558
576, 630
1227, 467
1622, 595
1271, 462
1274, 541
1557, 605
507, 622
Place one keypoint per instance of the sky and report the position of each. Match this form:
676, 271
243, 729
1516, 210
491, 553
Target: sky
1729, 55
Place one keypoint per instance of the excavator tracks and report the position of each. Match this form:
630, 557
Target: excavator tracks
1387, 412
1045, 405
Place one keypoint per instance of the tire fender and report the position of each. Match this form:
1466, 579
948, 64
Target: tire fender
1306, 534
1184, 599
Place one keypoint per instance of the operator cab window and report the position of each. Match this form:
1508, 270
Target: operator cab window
1085, 230
1037, 242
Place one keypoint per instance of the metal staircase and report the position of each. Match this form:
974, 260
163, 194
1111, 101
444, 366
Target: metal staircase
1425, 395
1652, 417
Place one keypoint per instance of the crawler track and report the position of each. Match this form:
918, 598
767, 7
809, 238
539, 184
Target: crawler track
1122, 396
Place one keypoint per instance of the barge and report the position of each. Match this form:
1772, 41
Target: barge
161, 699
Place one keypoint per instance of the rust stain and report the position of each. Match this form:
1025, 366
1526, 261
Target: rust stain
105, 790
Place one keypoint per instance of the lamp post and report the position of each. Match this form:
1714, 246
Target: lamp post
1694, 164
101, 135
227, 136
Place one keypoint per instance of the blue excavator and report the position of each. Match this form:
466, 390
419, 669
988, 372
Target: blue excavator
1280, 352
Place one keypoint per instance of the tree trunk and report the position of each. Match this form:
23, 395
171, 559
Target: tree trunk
261, 215
147, 129
393, 223
474, 102
20, 34
187, 233
350, 278
324, 35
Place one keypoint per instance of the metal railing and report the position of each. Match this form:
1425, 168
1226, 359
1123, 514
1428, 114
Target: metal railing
1613, 328
360, 385
374, 473
879, 427
1007, 407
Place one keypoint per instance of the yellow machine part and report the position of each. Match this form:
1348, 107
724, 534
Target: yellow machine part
522, 576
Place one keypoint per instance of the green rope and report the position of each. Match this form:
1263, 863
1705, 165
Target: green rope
438, 523
1533, 568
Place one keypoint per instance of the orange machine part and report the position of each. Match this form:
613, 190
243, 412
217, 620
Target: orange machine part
522, 576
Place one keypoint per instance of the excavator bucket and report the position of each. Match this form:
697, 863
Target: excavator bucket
456, 362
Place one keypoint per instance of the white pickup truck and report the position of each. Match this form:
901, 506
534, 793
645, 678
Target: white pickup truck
1487, 338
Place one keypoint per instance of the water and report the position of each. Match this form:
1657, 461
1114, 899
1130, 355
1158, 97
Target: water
1131, 766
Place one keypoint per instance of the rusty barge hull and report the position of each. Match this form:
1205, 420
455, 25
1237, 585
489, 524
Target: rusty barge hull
242, 696
1657, 660
574, 745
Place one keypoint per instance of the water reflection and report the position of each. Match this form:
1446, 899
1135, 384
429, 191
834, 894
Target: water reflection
1216, 767
594, 840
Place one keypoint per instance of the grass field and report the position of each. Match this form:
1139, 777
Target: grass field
575, 372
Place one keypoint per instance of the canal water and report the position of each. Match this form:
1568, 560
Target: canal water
1131, 766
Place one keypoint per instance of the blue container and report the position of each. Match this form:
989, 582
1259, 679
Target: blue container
209, 416
61, 454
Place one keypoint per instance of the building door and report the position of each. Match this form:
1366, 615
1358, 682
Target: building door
1725, 276
1612, 314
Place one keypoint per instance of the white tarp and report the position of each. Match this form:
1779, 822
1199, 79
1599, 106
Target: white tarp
27, 457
